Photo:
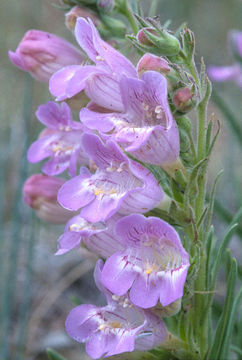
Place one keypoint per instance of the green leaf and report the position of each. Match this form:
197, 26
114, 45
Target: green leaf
210, 243
53, 355
210, 148
211, 202
220, 252
188, 43
236, 349
177, 191
224, 327
230, 324
208, 134
191, 189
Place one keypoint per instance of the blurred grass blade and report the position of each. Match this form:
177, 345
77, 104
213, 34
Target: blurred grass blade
53, 355
230, 325
236, 349
15, 230
223, 330
231, 120
221, 251
227, 217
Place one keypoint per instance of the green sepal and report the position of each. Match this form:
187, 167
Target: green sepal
220, 347
179, 215
184, 123
53, 355
192, 186
176, 191
142, 21
180, 179
209, 146
188, 43
165, 43
185, 143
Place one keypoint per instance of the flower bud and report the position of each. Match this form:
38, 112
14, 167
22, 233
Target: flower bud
153, 62
235, 42
160, 42
105, 5
75, 13
184, 99
40, 193
42, 54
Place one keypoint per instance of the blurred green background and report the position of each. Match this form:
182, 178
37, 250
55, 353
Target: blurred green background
36, 287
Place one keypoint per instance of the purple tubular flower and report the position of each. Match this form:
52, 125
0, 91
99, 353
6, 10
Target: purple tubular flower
146, 128
226, 73
100, 81
61, 141
40, 193
234, 71
119, 184
42, 54
116, 328
153, 265
98, 237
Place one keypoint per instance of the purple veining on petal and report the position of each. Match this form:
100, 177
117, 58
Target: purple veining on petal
110, 188
153, 266
116, 328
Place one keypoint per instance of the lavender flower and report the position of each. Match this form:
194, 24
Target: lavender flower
101, 82
232, 72
116, 328
146, 128
98, 237
60, 141
119, 184
153, 265
42, 54
40, 193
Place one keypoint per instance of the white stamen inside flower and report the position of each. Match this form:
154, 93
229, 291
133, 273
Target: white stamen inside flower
110, 326
75, 227
59, 148
64, 128
99, 58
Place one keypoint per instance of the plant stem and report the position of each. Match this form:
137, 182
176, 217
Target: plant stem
127, 12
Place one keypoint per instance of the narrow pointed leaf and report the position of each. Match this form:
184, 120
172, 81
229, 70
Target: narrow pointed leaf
217, 351
53, 355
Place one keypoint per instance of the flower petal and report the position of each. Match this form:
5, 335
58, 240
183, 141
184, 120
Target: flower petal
117, 275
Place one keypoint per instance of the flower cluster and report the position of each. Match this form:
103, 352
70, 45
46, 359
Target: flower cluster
108, 193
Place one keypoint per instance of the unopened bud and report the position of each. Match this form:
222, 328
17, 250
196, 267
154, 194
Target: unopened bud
184, 99
105, 5
160, 42
152, 62
42, 54
40, 193
76, 12
235, 43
